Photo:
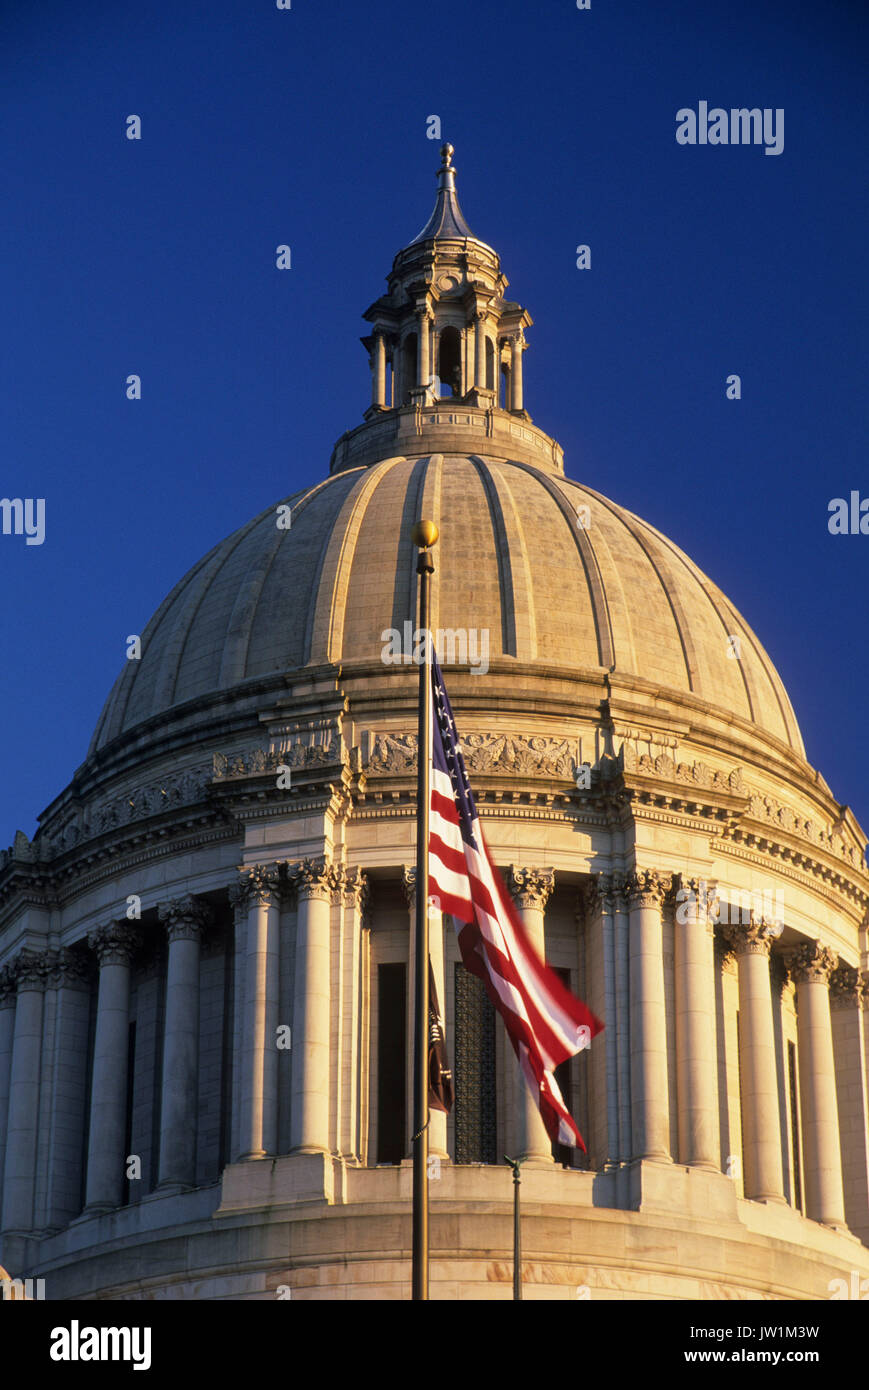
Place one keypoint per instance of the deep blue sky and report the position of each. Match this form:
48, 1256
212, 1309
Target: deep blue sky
308, 127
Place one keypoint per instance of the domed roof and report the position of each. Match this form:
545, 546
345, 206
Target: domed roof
553, 584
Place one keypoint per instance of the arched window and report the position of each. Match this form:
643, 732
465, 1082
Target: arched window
449, 368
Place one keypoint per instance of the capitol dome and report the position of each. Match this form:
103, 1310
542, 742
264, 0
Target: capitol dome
206, 950
562, 578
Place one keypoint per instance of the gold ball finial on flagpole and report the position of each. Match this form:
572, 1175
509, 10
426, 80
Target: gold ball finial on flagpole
425, 534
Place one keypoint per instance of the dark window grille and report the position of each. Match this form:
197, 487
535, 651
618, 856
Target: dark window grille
392, 1137
475, 1103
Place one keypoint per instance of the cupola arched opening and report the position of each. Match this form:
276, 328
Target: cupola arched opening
449, 367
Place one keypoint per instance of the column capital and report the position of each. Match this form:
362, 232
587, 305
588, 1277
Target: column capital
846, 987
648, 887
30, 969
408, 884
697, 901
70, 970
725, 953
811, 963
356, 889
255, 883
184, 918
752, 938
7, 987
603, 893
531, 888
315, 878
115, 943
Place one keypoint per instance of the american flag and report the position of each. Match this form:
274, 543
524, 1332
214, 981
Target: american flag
545, 1023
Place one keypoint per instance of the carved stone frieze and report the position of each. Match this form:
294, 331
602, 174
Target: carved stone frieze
811, 963
392, 753
783, 817
296, 752
695, 774
511, 754
181, 788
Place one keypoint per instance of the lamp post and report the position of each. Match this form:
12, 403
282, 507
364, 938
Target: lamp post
516, 1164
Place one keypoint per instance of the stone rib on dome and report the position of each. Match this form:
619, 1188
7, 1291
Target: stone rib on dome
512, 559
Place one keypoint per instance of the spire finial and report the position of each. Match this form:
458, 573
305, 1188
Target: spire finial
447, 153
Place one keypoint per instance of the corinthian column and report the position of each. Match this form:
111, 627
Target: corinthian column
646, 891
316, 881
184, 919
7, 1036
480, 354
811, 965
423, 352
599, 902
516, 389
114, 946
379, 391
621, 1022
70, 978
531, 890
259, 888
696, 1057
846, 999
763, 1179
28, 970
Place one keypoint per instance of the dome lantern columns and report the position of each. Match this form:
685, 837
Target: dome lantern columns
444, 322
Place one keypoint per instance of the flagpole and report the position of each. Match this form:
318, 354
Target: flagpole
425, 535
